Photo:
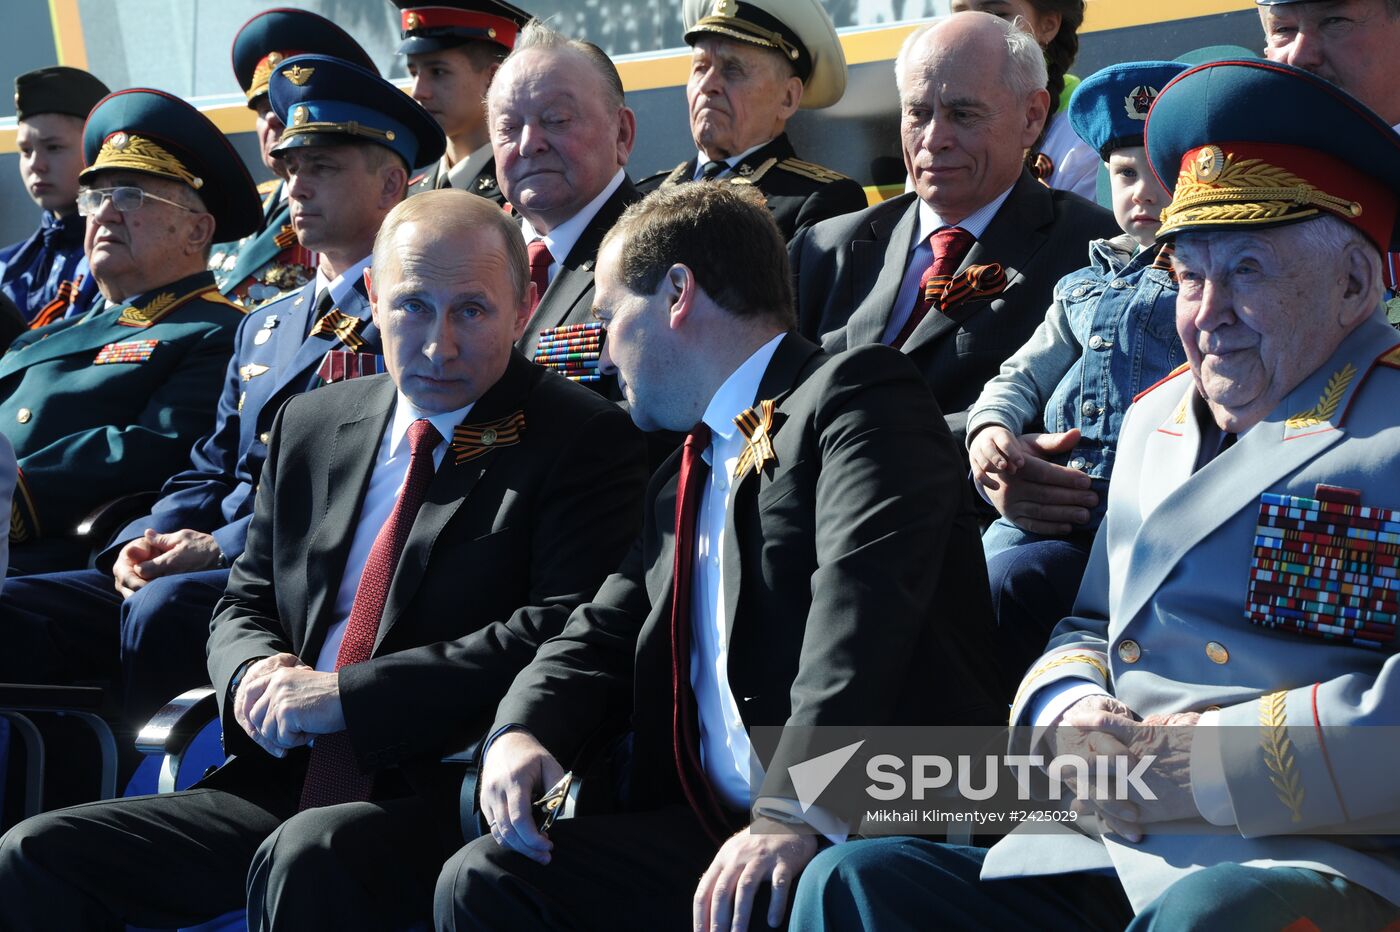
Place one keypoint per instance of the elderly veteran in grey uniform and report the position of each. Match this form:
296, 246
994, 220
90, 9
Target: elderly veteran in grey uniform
753, 65
1243, 480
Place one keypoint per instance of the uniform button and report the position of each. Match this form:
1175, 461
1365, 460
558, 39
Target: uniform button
1090, 409
263, 437
24, 415
1128, 651
1077, 463
1096, 342
1217, 652
1118, 283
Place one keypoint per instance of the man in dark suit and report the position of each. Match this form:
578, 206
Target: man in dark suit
415, 537
562, 134
752, 66
959, 273
162, 574
823, 569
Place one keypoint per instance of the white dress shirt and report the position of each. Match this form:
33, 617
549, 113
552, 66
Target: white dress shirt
921, 255
385, 482
342, 284
562, 238
724, 744
701, 158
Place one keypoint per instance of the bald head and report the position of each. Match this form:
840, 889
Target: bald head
972, 99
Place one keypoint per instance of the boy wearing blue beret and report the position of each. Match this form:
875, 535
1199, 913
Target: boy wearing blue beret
1109, 334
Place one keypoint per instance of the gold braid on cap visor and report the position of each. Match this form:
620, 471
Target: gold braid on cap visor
1216, 189
123, 150
745, 31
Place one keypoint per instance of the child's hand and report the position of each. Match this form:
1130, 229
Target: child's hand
996, 450
1038, 496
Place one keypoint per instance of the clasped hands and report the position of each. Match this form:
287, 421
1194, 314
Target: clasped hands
1025, 487
153, 555
282, 703
1101, 726
517, 769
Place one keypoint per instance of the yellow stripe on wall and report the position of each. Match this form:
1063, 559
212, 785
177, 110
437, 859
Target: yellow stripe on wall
68, 33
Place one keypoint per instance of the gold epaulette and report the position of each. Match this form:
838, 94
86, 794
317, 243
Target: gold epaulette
219, 298
1390, 358
24, 519
811, 170
268, 186
167, 303
677, 175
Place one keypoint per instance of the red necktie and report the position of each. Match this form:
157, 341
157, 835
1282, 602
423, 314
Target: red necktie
540, 261
332, 775
685, 728
949, 244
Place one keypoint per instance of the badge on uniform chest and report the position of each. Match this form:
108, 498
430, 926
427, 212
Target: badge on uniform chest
1326, 567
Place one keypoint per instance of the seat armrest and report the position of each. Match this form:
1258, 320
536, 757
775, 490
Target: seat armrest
171, 729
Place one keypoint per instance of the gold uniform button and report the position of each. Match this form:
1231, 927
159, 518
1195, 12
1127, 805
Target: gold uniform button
1128, 651
263, 437
1217, 652
24, 415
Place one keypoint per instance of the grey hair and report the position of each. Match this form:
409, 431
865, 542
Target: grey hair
540, 35
1327, 237
1023, 71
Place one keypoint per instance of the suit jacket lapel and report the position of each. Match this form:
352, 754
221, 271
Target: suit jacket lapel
1013, 237
350, 464
1273, 449
877, 270
784, 371
451, 487
575, 275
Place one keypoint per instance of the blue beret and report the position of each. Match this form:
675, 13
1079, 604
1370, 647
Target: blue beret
155, 133
1109, 108
325, 101
277, 34
1248, 144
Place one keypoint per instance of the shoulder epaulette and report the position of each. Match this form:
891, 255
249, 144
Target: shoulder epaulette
417, 178
810, 170
675, 175
215, 297
1163, 380
1390, 358
166, 303
268, 186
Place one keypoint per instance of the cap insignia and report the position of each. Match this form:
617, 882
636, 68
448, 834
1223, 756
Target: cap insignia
1139, 101
298, 74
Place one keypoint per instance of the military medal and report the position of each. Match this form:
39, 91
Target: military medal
572, 350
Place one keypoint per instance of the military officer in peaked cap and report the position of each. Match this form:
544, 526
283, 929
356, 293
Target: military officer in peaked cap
454, 49
159, 579
752, 66
1244, 574
108, 404
46, 275
270, 262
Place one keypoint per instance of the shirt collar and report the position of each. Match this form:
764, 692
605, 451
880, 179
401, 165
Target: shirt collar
343, 283
701, 158
975, 223
739, 391
562, 238
405, 414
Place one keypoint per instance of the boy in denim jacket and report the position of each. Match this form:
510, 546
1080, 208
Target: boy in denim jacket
1110, 334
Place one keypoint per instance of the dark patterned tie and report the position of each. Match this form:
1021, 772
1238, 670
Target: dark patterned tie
685, 727
949, 245
540, 261
712, 170
332, 775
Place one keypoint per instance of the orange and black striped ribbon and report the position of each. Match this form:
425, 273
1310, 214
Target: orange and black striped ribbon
1163, 261
946, 292
472, 440
756, 424
344, 327
58, 306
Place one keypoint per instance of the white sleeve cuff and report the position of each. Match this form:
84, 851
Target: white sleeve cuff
789, 811
1208, 787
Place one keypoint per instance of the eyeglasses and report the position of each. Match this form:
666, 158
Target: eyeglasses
125, 199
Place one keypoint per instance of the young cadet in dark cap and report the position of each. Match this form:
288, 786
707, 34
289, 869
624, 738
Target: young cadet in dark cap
110, 403
753, 64
1051, 417
260, 267
46, 275
162, 574
454, 49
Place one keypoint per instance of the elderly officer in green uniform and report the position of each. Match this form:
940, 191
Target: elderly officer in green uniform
110, 403
454, 48
271, 262
752, 66
1244, 575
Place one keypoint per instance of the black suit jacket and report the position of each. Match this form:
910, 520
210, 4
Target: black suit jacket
798, 193
854, 580
848, 272
505, 546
